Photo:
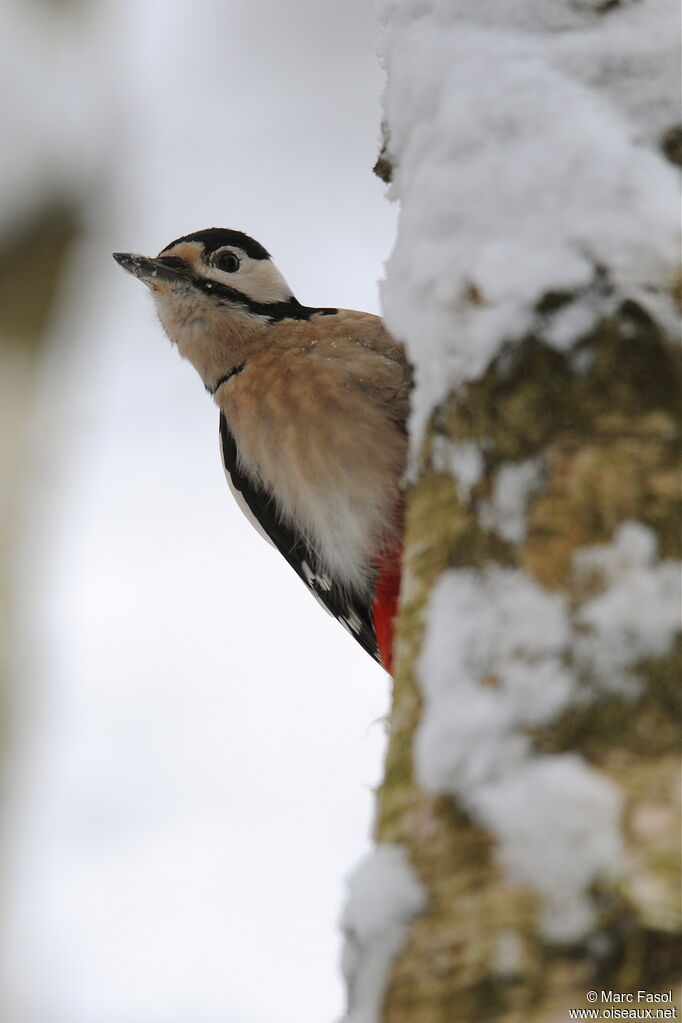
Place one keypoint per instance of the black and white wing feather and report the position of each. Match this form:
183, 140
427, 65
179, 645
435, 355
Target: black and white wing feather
351, 609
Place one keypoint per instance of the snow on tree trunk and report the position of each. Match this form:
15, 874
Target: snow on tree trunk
528, 833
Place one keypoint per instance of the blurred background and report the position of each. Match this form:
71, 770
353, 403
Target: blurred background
189, 743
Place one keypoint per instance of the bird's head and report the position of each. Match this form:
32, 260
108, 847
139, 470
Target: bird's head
212, 286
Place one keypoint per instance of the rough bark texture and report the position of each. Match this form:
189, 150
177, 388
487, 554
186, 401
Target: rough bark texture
610, 438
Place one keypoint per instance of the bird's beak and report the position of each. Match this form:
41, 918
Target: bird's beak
150, 271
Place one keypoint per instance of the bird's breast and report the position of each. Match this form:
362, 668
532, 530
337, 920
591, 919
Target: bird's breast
307, 431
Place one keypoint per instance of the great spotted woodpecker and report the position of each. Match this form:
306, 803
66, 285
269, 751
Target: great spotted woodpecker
313, 410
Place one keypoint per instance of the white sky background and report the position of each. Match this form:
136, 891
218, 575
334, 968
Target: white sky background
197, 740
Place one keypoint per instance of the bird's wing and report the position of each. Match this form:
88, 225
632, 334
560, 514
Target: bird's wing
351, 609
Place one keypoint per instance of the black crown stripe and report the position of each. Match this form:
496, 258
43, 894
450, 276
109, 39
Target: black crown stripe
213, 238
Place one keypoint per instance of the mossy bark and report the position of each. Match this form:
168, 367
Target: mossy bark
609, 436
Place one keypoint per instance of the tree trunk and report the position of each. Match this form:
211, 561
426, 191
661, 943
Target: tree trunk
532, 774
609, 440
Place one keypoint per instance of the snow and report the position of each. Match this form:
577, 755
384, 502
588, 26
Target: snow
503, 655
519, 134
492, 662
462, 461
514, 483
384, 896
513, 486
492, 666
565, 326
508, 954
557, 822
637, 613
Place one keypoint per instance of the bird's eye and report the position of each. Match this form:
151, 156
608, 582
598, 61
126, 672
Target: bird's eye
227, 261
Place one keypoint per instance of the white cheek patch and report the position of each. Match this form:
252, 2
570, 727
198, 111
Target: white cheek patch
258, 279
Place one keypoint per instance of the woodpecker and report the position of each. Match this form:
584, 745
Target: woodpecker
313, 409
